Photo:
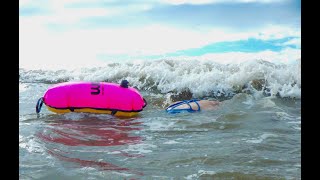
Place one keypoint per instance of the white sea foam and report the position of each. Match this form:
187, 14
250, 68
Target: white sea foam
74, 116
22, 87
140, 148
284, 116
200, 172
159, 125
191, 176
261, 138
171, 142
201, 78
29, 144
206, 172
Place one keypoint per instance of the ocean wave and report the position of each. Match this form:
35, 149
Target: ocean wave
185, 79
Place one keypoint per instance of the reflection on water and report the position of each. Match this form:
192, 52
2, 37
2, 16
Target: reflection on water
79, 135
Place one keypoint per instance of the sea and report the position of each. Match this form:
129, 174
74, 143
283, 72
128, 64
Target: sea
255, 133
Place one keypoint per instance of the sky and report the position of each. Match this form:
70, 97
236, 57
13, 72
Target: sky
88, 32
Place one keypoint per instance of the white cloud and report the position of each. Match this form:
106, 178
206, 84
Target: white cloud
285, 56
295, 42
24, 2
198, 2
278, 32
40, 45
61, 12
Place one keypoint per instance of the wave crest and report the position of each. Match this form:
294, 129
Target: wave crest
186, 79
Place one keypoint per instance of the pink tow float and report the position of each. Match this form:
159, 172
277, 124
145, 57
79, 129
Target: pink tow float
93, 97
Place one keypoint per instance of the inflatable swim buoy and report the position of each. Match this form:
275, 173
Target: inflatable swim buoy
92, 97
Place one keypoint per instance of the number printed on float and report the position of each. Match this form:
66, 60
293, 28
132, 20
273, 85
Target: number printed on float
95, 88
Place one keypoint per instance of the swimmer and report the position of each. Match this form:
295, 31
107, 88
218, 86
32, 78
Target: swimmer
193, 105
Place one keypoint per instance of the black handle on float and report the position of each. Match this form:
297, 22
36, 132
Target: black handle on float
145, 103
39, 105
124, 83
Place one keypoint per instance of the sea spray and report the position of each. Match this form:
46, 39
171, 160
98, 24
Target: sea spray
196, 79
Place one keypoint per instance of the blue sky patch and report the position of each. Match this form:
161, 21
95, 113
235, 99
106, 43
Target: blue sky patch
250, 45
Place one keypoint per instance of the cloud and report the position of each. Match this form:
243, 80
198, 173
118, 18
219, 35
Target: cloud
40, 45
277, 32
286, 56
53, 36
198, 2
296, 42
79, 13
189, 14
240, 16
